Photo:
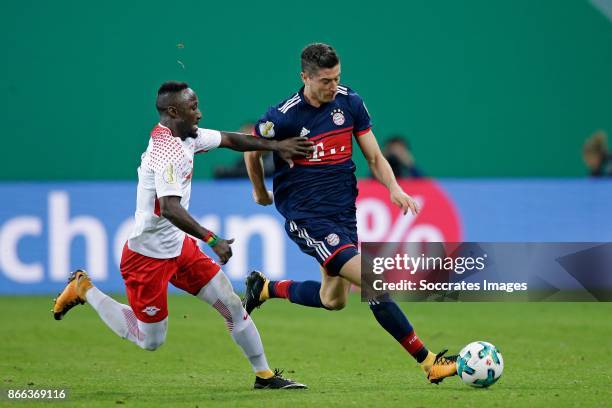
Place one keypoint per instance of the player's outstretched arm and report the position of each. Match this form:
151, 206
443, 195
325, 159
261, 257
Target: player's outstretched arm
172, 210
380, 168
286, 149
255, 170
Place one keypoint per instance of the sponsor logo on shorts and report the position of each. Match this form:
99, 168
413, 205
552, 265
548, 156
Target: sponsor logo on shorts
338, 117
332, 239
151, 310
266, 129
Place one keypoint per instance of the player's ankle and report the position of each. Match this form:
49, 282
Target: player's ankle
265, 291
428, 362
83, 288
265, 374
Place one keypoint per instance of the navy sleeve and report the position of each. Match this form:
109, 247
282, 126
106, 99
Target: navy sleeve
270, 124
363, 122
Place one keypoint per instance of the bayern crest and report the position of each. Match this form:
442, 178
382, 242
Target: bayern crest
332, 239
338, 117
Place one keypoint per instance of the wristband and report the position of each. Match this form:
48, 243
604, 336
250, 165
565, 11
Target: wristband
211, 239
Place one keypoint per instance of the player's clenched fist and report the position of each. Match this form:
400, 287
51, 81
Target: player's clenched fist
263, 197
223, 249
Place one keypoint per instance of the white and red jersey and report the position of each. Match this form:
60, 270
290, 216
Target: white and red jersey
166, 169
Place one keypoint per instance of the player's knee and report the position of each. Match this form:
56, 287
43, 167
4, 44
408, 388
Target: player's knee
334, 304
219, 289
152, 335
230, 307
240, 316
233, 301
152, 345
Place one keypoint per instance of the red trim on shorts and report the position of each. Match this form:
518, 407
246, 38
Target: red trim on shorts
336, 253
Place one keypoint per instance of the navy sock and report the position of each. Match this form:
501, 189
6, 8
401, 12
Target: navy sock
303, 293
394, 321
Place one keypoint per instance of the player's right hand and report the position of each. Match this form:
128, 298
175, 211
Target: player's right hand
404, 201
223, 249
263, 198
296, 146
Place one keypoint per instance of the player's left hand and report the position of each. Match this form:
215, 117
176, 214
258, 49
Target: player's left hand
264, 198
404, 201
223, 249
296, 146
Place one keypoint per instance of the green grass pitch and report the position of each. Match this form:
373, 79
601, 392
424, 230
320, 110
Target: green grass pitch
556, 354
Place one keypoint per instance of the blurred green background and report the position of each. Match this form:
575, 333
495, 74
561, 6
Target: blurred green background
481, 88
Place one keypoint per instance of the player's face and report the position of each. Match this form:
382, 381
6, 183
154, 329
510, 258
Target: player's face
188, 113
323, 85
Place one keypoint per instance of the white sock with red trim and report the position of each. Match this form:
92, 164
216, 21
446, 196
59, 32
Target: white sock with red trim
219, 294
121, 319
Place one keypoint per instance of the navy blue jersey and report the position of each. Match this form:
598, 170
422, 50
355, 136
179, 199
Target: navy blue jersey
323, 183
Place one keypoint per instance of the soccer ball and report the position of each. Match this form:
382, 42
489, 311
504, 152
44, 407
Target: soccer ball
480, 364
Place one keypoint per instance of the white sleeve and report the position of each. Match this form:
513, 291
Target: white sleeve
207, 139
167, 182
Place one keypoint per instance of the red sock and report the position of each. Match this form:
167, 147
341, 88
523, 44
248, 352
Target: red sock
279, 289
413, 345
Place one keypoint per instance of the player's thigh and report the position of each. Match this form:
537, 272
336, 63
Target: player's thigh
334, 289
195, 269
146, 283
351, 270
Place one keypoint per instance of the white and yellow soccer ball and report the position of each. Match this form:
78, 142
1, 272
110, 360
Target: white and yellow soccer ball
480, 364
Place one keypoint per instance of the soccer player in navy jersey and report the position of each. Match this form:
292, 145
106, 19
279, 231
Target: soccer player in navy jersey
317, 198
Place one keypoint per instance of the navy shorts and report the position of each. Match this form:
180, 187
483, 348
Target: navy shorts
332, 240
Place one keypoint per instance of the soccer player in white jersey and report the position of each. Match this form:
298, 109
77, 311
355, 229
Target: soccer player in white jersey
159, 250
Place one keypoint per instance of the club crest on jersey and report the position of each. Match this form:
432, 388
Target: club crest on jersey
332, 239
338, 116
169, 174
266, 129
151, 310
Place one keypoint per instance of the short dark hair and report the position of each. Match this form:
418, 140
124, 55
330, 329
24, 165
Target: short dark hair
398, 139
164, 94
318, 55
172, 87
